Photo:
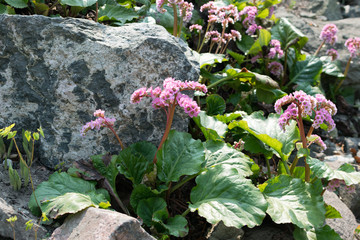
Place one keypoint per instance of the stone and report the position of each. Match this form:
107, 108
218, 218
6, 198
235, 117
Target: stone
221, 232
351, 143
344, 226
335, 161
351, 199
6, 231
269, 231
94, 223
55, 72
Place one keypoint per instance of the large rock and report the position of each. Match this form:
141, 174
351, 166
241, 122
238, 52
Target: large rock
56, 72
94, 224
6, 231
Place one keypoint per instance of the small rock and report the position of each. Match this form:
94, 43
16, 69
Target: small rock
94, 224
221, 232
344, 226
335, 161
351, 142
307, 15
351, 199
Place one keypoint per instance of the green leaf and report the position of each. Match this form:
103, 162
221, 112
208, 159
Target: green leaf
176, 226
148, 207
17, 3
211, 59
269, 95
70, 202
306, 73
104, 205
139, 193
245, 44
212, 128
238, 57
322, 233
331, 212
179, 155
27, 135
322, 170
263, 40
287, 33
330, 67
36, 136
254, 145
215, 105
60, 184
78, 3
41, 8
41, 132
116, 13
222, 195
291, 200
268, 131
109, 170
219, 153
136, 160
228, 117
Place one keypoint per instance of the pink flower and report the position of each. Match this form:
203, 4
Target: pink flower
319, 141
100, 122
328, 33
276, 49
332, 53
99, 113
353, 45
196, 27
276, 68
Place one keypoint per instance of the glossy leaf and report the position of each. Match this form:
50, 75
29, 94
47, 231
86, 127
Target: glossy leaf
148, 207
245, 44
61, 183
322, 233
215, 105
219, 153
238, 57
331, 68
78, 3
212, 128
331, 212
107, 170
287, 33
322, 170
268, 131
18, 3
179, 155
116, 13
211, 59
71, 202
269, 95
291, 200
222, 195
176, 226
228, 117
254, 145
263, 40
136, 160
139, 193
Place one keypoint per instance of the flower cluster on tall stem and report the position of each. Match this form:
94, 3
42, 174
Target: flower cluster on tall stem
168, 98
249, 23
300, 105
328, 35
185, 10
224, 16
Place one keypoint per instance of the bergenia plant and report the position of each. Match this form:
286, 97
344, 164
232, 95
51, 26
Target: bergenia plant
328, 35
249, 13
168, 98
222, 15
300, 105
185, 10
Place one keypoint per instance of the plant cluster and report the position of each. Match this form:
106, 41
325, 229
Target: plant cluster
239, 163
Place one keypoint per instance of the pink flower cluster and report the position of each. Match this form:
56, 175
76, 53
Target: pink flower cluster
223, 15
249, 22
333, 54
335, 183
324, 109
276, 49
197, 27
185, 7
353, 45
171, 95
276, 68
101, 121
328, 33
318, 141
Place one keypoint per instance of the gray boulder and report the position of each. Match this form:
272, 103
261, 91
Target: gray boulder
56, 72
94, 224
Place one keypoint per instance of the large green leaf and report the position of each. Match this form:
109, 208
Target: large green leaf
136, 160
331, 212
116, 13
287, 33
211, 59
179, 155
268, 131
331, 68
17, 3
291, 200
245, 44
222, 195
212, 128
306, 73
215, 105
322, 170
322, 233
263, 40
106, 169
71, 202
219, 153
176, 226
228, 117
147, 208
59, 184
78, 3
139, 193
5, 9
